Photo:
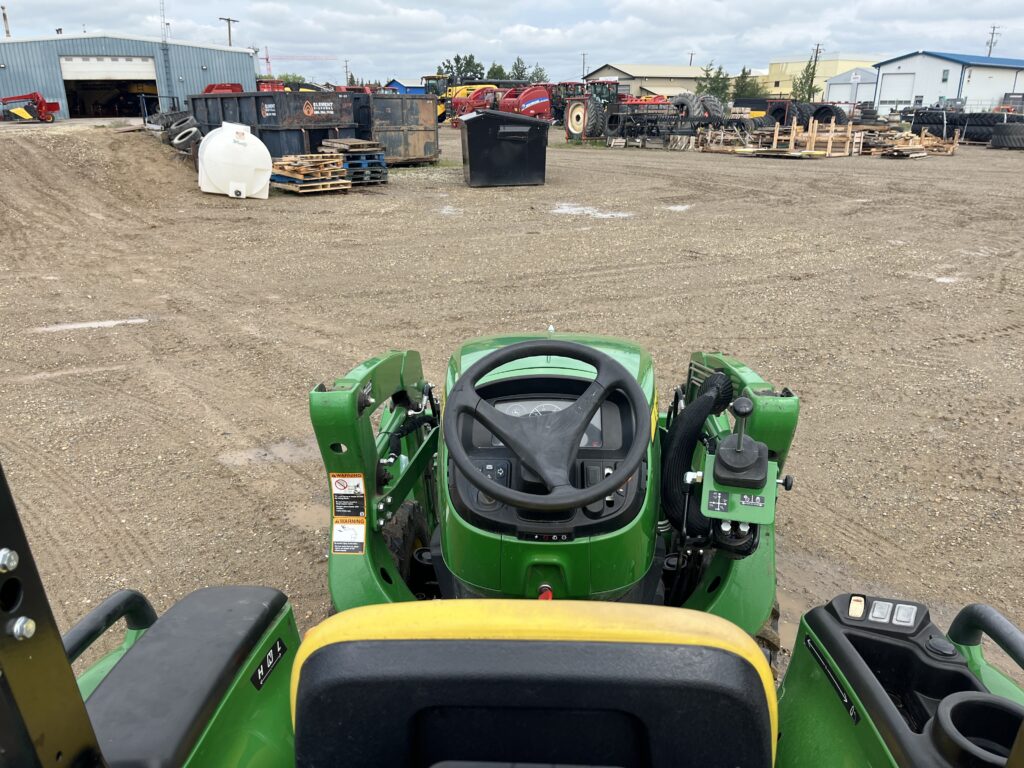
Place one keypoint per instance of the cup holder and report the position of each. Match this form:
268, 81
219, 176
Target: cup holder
972, 729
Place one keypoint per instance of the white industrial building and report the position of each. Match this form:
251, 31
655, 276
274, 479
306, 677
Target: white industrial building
851, 87
923, 78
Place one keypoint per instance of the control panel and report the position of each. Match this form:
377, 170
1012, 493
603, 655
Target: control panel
880, 613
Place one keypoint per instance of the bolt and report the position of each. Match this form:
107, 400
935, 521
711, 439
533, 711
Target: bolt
388, 499
726, 526
380, 506
8, 560
744, 528
380, 524
22, 628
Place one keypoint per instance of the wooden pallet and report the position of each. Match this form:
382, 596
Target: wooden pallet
306, 169
350, 145
304, 188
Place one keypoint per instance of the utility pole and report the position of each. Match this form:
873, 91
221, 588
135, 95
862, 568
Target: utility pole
346, 71
692, 54
7, 26
230, 21
992, 35
584, 55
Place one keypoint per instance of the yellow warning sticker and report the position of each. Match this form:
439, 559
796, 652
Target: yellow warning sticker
348, 536
348, 495
654, 418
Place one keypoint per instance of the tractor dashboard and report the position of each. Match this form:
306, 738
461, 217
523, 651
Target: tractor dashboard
605, 443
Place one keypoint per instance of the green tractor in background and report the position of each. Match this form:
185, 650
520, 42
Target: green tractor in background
553, 475
558, 479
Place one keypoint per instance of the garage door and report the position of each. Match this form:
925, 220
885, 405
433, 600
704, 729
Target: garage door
108, 68
839, 92
897, 88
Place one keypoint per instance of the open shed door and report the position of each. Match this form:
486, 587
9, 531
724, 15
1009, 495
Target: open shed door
109, 86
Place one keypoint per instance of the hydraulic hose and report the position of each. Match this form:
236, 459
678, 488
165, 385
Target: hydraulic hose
714, 396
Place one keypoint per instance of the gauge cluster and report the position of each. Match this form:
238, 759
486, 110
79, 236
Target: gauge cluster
527, 408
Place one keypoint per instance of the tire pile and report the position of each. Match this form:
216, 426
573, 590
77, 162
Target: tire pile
178, 129
973, 126
1008, 135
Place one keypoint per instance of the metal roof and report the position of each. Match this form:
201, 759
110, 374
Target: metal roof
96, 36
638, 71
866, 76
967, 59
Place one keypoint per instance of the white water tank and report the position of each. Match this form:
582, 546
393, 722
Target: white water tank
235, 163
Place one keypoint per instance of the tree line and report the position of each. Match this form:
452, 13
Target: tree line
715, 82
459, 68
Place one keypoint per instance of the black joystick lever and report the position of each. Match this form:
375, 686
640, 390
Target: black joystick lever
741, 408
741, 461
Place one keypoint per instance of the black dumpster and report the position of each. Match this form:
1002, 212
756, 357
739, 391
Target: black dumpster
503, 149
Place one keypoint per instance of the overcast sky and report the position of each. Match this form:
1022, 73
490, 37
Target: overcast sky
407, 38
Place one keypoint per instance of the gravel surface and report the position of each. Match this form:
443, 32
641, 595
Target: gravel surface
175, 451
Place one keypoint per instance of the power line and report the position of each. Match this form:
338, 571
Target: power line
992, 39
230, 21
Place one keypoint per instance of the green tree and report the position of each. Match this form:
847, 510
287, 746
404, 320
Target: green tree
351, 78
746, 86
496, 72
804, 88
538, 74
519, 70
714, 82
459, 68
286, 77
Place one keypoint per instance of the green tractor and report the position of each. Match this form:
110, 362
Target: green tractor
647, 537
553, 475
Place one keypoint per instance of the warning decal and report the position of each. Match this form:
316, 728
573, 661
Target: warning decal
348, 536
348, 495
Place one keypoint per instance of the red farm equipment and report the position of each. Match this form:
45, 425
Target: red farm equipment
530, 100
487, 97
28, 107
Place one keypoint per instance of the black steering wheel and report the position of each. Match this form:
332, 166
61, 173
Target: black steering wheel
548, 443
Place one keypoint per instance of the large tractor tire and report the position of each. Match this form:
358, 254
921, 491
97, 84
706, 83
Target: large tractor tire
688, 105
712, 106
779, 113
1008, 136
403, 533
595, 117
768, 121
576, 119
613, 125
826, 112
804, 112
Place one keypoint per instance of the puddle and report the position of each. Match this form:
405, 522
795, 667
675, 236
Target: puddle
568, 209
311, 516
285, 452
679, 208
88, 325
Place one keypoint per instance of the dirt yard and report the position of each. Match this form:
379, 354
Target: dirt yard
175, 451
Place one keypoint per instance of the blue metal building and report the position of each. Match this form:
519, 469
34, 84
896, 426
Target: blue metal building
406, 85
105, 75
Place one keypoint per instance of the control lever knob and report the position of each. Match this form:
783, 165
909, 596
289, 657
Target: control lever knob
741, 408
786, 482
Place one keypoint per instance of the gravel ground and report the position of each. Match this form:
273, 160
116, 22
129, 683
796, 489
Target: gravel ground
175, 451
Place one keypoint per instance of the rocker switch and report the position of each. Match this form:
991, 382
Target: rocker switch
856, 607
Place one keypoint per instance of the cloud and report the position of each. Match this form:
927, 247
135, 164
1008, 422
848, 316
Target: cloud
385, 38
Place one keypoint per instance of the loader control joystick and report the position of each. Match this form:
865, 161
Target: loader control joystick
741, 461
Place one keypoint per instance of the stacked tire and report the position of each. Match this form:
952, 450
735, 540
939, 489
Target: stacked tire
826, 113
1007, 136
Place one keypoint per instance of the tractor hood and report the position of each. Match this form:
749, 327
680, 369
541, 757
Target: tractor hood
631, 356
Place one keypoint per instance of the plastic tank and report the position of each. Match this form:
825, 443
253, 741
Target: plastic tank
233, 162
532, 101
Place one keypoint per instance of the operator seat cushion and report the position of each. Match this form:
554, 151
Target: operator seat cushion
536, 682
154, 704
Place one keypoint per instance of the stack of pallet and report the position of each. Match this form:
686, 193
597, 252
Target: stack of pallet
310, 173
363, 160
910, 145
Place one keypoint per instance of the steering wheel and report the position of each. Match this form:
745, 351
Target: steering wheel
549, 442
